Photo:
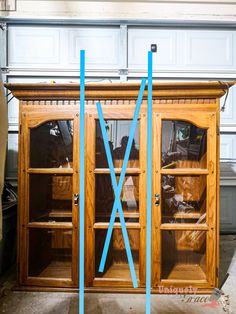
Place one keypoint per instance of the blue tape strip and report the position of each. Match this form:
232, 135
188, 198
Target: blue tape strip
117, 189
149, 187
81, 202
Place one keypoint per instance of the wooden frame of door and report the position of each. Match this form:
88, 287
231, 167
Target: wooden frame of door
112, 113
202, 120
31, 120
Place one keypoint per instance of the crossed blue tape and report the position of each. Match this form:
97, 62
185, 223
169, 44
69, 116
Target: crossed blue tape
117, 188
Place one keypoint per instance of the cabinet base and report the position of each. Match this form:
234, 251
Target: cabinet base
101, 290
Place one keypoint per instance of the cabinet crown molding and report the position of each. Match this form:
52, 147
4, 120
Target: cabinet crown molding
119, 90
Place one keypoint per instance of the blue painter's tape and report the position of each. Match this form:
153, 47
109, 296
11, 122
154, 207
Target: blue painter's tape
81, 202
149, 187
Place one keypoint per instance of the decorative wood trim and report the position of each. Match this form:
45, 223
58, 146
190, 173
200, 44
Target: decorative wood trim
201, 120
38, 92
118, 102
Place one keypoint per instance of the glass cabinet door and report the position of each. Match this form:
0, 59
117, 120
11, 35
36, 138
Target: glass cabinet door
185, 185
50, 213
100, 204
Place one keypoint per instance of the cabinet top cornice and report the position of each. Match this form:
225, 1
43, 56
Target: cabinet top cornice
118, 90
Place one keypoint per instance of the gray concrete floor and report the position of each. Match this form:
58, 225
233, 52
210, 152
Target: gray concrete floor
67, 303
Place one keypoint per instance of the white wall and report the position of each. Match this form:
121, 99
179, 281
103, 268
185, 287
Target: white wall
217, 10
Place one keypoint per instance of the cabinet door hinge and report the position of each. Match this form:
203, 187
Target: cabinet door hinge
217, 130
217, 272
20, 128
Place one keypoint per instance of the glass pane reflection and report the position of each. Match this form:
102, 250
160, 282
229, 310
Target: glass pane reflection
183, 255
183, 199
50, 198
104, 198
50, 253
117, 265
51, 145
118, 134
183, 145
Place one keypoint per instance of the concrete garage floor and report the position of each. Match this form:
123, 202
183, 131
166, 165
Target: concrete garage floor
67, 303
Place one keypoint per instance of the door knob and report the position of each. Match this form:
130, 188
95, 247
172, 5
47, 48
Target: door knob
76, 199
157, 199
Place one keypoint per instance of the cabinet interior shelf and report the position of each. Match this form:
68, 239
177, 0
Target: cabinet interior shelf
118, 271
51, 225
185, 171
54, 213
51, 170
184, 226
127, 214
181, 271
183, 215
117, 170
57, 269
105, 225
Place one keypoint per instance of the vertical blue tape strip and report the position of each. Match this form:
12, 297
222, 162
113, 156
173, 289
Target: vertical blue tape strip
81, 202
149, 187
122, 175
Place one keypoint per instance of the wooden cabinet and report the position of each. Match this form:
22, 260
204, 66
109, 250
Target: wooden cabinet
185, 180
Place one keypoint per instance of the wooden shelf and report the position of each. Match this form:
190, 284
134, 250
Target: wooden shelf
51, 170
127, 214
185, 171
56, 213
184, 226
118, 271
57, 269
56, 225
117, 170
105, 225
183, 272
183, 215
